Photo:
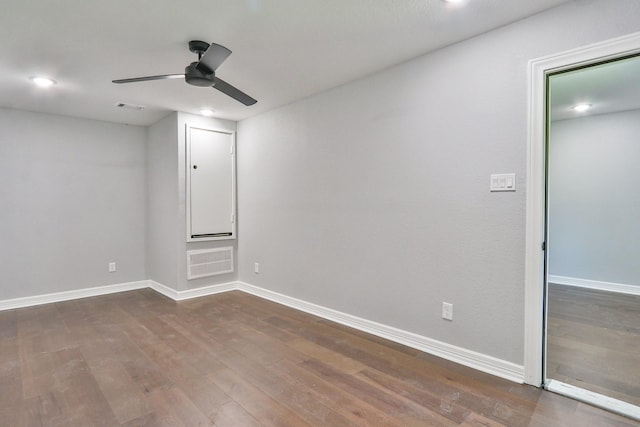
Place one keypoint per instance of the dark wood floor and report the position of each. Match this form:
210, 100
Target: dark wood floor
139, 359
594, 341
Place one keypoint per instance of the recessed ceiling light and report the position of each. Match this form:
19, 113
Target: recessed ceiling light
454, 1
581, 108
43, 81
206, 112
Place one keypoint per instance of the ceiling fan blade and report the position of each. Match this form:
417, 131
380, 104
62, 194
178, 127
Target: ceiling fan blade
144, 79
212, 58
233, 92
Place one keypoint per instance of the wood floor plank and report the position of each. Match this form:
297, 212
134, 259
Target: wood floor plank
124, 396
358, 411
297, 399
407, 368
173, 408
231, 414
10, 373
191, 353
390, 403
8, 324
140, 359
476, 420
611, 310
229, 334
620, 370
448, 406
623, 340
331, 357
147, 420
268, 411
73, 398
37, 370
593, 341
260, 376
205, 395
372, 338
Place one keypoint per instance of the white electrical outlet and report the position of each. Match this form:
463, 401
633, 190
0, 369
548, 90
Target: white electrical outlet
112, 267
256, 267
447, 311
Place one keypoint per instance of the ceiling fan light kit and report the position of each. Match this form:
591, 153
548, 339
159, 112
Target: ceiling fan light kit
202, 73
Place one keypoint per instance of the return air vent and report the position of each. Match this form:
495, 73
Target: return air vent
209, 262
130, 106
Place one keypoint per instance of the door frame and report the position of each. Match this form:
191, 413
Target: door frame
536, 215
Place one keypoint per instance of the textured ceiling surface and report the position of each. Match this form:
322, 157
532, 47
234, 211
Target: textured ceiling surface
283, 50
607, 88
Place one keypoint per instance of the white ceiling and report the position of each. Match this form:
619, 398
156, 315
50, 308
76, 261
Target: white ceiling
610, 87
283, 50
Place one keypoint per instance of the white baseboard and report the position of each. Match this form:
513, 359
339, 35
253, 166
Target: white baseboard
111, 289
472, 359
192, 293
594, 284
164, 290
595, 399
71, 295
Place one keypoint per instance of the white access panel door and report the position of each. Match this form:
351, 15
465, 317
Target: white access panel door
210, 184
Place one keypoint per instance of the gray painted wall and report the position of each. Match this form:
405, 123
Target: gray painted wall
166, 200
373, 198
72, 199
162, 201
594, 203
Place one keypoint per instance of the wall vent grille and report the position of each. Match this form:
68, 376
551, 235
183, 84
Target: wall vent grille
209, 262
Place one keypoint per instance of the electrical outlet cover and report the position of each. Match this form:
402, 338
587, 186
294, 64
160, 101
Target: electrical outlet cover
447, 311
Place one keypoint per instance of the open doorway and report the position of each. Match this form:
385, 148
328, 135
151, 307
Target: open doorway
593, 232
538, 249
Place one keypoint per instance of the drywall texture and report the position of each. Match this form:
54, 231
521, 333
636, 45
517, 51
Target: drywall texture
162, 201
166, 201
373, 198
594, 203
72, 195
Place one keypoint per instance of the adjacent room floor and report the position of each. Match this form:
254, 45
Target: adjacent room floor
594, 341
140, 359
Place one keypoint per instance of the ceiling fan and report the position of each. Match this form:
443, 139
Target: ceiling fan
203, 71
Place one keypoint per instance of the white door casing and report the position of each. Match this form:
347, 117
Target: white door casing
536, 182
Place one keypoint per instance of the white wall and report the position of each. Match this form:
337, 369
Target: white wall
594, 202
77, 194
71, 201
373, 198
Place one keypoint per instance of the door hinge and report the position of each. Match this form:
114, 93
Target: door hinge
544, 246
231, 149
233, 218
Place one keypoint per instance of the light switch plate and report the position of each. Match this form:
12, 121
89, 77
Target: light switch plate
502, 182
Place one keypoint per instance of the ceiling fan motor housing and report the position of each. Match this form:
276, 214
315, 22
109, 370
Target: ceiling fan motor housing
195, 77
